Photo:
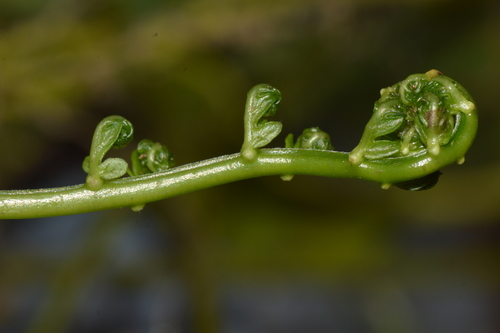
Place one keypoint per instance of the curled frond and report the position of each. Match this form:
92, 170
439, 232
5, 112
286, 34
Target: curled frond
150, 157
262, 101
418, 126
112, 132
416, 116
312, 138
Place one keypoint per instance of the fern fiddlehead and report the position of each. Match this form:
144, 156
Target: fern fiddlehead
262, 102
112, 132
415, 118
418, 126
311, 138
150, 157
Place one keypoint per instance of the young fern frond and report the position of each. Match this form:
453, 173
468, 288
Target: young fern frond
112, 132
311, 138
413, 117
418, 126
262, 102
150, 157
416, 117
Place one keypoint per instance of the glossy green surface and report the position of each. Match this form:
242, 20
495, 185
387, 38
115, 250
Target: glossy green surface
250, 163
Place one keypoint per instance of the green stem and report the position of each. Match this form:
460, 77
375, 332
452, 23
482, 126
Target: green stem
134, 191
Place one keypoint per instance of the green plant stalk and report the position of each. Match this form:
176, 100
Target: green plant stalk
418, 126
139, 190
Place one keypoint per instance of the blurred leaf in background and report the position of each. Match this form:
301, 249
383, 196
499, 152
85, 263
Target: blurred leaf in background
312, 255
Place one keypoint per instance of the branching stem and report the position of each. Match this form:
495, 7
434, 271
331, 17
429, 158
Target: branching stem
397, 148
139, 190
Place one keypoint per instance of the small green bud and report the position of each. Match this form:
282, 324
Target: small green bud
314, 138
151, 157
311, 138
289, 141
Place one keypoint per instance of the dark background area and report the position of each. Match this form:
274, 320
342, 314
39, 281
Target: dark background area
261, 255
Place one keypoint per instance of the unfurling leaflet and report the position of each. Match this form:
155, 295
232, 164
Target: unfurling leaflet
262, 101
150, 157
416, 116
112, 132
418, 126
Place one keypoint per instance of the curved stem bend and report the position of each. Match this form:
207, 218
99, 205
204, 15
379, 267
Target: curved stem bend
411, 135
134, 191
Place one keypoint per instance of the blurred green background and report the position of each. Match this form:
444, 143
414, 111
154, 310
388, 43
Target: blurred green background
262, 255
